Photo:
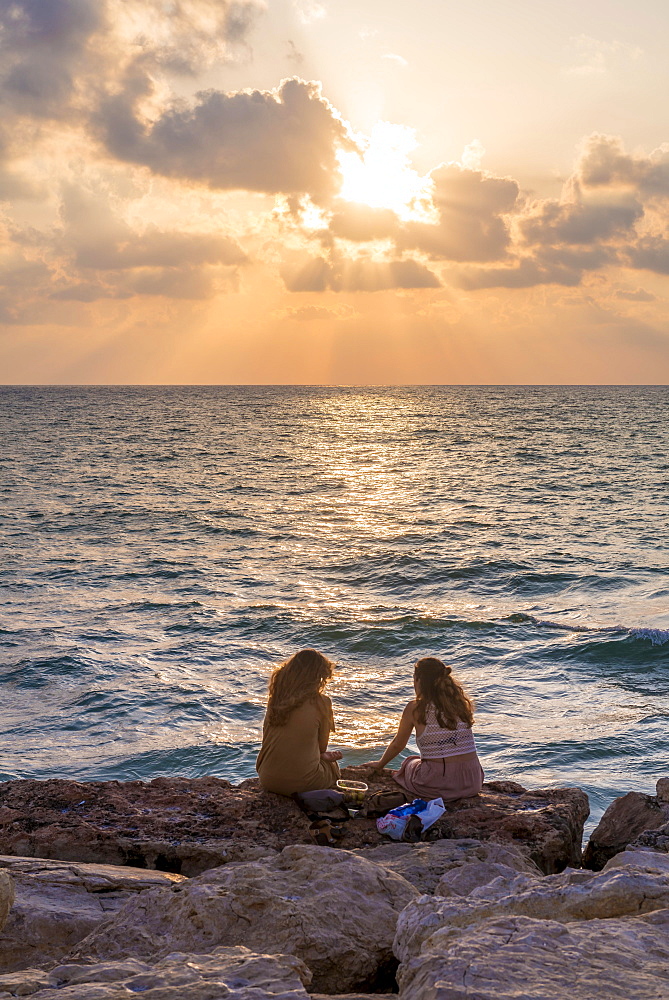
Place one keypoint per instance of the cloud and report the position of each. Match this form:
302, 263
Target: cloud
651, 253
312, 275
594, 57
525, 273
281, 141
471, 207
397, 59
310, 314
294, 55
358, 275
62, 60
94, 254
612, 212
580, 223
635, 295
44, 47
361, 223
57, 51
98, 239
604, 162
309, 11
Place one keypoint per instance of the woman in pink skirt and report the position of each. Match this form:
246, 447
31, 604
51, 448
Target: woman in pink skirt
448, 766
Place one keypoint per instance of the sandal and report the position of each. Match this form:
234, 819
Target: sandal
320, 831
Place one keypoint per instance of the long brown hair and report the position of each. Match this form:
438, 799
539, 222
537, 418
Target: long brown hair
437, 687
302, 676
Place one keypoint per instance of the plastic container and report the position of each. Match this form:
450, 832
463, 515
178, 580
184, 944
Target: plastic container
353, 791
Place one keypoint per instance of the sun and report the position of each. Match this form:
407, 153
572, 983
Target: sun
381, 176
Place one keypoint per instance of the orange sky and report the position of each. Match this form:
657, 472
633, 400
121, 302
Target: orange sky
209, 191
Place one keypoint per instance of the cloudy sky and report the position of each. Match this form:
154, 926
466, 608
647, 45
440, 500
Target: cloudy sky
347, 191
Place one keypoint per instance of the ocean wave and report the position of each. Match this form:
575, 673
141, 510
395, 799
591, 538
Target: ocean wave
657, 636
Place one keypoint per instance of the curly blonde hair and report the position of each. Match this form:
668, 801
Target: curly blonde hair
437, 687
301, 677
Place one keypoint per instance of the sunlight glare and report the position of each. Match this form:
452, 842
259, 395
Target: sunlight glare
382, 176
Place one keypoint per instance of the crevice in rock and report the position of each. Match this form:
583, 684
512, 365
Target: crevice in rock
384, 979
165, 863
133, 859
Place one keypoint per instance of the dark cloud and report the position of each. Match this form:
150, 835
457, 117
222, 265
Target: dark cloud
651, 253
605, 163
546, 265
472, 207
61, 60
294, 55
555, 222
52, 49
361, 275
635, 295
276, 142
525, 273
43, 45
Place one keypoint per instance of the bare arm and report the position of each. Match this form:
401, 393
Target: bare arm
324, 735
326, 726
399, 742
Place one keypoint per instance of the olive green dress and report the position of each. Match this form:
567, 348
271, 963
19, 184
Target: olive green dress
290, 758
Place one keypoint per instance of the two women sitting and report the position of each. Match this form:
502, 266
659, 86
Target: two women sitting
294, 756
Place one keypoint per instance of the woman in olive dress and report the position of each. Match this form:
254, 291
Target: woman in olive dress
294, 756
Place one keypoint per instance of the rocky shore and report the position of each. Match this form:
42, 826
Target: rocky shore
184, 889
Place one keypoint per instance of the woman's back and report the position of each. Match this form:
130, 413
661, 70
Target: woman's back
290, 758
435, 741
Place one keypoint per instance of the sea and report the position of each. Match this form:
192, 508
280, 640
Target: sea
164, 547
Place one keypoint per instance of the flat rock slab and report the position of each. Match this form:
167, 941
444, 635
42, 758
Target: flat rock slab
233, 973
187, 825
57, 903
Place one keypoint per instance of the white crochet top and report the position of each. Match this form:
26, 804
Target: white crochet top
435, 742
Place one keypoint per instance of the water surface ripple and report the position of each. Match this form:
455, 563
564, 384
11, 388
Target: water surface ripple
163, 547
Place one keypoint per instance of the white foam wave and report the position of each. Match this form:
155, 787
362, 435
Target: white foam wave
657, 636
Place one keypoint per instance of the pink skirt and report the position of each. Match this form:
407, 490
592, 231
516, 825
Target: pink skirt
443, 777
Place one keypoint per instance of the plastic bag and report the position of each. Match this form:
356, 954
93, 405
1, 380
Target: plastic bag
435, 808
410, 808
392, 826
394, 823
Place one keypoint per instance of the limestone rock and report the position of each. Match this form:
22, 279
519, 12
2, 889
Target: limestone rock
424, 864
6, 896
625, 819
653, 840
578, 934
464, 880
518, 958
58, 903
547, 824
232, 973
335, 911
23, 983
570, 896
183, 825
189, 825
637, 857
662, 789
